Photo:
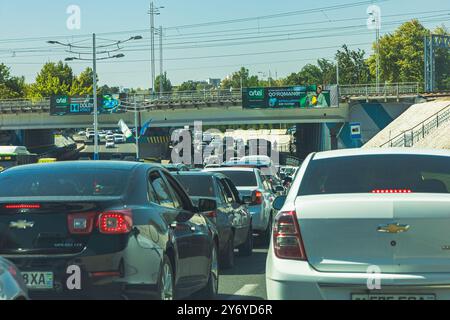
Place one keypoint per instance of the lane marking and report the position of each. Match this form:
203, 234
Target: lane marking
246, 290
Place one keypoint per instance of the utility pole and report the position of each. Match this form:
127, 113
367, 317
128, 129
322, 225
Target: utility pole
94, 61
161, 71
154, 11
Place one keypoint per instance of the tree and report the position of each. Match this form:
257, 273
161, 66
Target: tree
401, 54
54, 78
328, 70
105, 89
188, 86
83, 83
353, 68
167, 85
240, 78
10, 87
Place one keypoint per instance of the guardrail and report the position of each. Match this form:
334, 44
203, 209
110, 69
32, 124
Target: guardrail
383, 90
409, 137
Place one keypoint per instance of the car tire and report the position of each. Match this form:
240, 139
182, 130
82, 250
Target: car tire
246, 249
212, 287
227, 258
166, 287
267, 234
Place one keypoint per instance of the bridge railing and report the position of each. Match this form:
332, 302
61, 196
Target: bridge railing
388, 90
182, 96
412, 136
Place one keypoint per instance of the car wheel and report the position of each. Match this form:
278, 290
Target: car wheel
227, 258
266, 235
246, 249
212, 288
166, 281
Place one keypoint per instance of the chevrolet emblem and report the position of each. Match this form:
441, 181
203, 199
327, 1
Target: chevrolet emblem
393, 228
21, 224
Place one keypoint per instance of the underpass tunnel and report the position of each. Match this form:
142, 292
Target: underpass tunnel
308, 139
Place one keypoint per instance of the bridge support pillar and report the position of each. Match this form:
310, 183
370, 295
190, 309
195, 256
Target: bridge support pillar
38, 141
308, 139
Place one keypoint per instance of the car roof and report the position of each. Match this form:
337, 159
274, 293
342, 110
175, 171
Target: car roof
379, 151
230, 169
70, 165
199, 173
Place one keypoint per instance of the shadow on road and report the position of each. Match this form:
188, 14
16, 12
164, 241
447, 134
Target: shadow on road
253, 265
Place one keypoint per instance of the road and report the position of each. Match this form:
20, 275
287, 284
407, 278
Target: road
246, 281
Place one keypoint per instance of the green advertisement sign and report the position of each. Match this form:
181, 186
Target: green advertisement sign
61, 105
286, 97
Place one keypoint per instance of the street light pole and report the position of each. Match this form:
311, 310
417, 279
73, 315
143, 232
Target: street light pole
94, 85
161, 72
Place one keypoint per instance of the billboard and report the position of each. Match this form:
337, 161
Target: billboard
65, 105
286, 97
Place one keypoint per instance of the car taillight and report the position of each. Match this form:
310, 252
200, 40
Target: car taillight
258, 197
115, 222
22, 206
81, 223
287, 241
392, 191
210, 214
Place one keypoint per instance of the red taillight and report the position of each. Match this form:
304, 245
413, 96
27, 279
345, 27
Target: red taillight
22, 206
287, 241
115, 222
258, 197
210, 214
81, 223
383, 191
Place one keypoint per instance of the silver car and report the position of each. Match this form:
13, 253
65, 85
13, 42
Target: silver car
12, 286
251, 183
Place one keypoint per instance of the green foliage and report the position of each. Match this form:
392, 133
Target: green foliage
353, 68
54, 78
83, 83
240, 78
166, 84
10, 87
442, 62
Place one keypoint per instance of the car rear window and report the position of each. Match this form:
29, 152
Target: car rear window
242, 178
48, 182
197, 185
377, 173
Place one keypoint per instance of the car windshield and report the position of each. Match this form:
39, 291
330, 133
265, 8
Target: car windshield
48, 182
377, 173
242, 178
197, 185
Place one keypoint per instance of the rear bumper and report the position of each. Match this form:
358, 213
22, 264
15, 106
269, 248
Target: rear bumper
297, 280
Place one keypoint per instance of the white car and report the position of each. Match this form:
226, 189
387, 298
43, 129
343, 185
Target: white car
119, 138
110, 144
364, 224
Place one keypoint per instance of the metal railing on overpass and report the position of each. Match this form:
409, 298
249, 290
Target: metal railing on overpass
387, 90
419, 132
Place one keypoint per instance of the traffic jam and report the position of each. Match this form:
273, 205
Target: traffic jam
348, 224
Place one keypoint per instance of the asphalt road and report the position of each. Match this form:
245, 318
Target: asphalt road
246, 281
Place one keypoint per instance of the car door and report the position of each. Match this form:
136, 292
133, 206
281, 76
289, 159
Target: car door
195, 233
239, 217
180, 231
225, 215
268, 195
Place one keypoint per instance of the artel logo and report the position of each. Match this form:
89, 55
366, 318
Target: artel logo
61, 100
256, 94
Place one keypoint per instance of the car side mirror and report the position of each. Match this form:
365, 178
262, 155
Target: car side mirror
279, 202
207, 205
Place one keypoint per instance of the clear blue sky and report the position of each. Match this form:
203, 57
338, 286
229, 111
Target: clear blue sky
320, 35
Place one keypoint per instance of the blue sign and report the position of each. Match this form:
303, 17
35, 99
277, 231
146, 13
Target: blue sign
355, 131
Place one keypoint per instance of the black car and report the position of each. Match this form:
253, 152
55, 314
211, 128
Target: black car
175, 167
107, 230
229, 213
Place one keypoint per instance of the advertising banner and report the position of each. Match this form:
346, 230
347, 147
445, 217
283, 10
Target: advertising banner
64, 105
286, 97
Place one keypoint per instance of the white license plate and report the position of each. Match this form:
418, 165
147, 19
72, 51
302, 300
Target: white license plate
393, 297
38, 280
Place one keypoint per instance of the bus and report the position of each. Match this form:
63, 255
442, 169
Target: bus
12, 156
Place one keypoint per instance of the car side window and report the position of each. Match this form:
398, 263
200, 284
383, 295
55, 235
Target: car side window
222, 195
151, 193
162, 191
233, 189
228, 192
178, 200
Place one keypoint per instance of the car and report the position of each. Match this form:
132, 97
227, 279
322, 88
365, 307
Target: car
90, 133
118, 229
119, 138
12, 286
250, 182
230, 214
110, 143
176, 167
364, 224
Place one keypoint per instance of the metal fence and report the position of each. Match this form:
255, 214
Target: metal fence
382, 90
412, 136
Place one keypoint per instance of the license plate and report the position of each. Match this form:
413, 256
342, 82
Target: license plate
412, 297
38, 280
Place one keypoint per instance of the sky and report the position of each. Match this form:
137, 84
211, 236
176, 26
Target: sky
266, 36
